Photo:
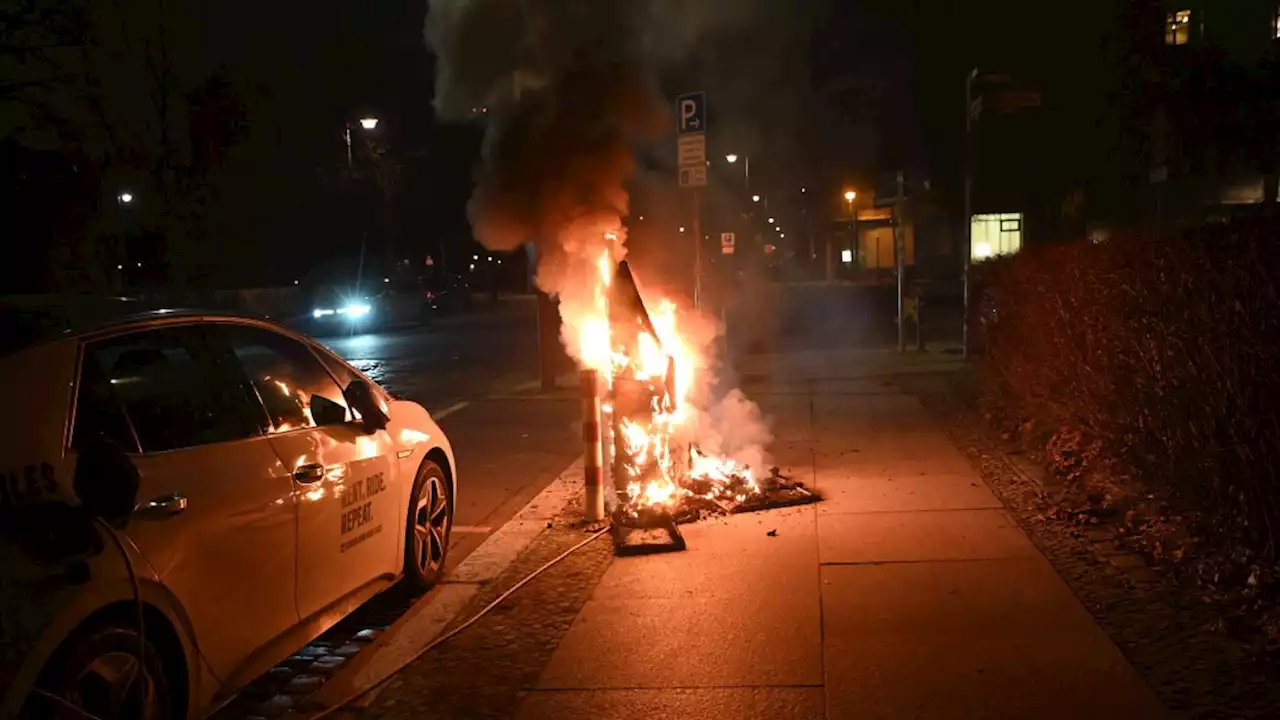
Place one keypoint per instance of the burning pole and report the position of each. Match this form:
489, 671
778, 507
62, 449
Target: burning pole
593, 445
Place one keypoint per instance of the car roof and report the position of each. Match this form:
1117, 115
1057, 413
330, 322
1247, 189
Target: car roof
27, 322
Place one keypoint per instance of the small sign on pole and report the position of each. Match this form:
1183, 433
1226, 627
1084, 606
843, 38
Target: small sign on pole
693, 176
692, 150
726, 243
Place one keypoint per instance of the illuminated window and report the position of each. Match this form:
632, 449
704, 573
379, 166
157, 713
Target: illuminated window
1177, 27
1275, 24
995, 234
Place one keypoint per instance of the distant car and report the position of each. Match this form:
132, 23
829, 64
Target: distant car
195, 495
338, 312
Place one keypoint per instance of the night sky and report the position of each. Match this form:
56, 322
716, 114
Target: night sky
821, 94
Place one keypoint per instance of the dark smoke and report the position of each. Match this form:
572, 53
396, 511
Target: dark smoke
568, 90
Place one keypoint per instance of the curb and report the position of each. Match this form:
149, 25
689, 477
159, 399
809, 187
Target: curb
1100, 538
440, 608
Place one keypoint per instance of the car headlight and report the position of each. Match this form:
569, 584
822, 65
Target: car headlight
355, 311
321, 312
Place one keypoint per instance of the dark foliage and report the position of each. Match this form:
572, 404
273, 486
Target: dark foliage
1154, 360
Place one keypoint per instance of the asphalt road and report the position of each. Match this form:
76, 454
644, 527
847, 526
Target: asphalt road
475, 373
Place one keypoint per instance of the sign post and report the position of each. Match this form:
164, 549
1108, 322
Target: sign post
726, 243
691, 152
900, 257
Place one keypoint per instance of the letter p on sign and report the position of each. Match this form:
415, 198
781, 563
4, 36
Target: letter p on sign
692, 109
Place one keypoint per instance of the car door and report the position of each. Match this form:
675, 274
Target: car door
216, 516
349, 524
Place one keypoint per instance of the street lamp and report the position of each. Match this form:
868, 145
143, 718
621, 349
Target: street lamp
770, 221
746, 167
368, 123
125, 197
755, 198
849, 195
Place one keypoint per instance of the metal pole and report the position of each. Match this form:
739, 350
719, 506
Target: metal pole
697, 248
548, 340
593, 447
900, 260
346, 133
967, 220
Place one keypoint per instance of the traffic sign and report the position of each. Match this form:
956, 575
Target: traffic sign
695, 176
691, 113
726, 243
692, 150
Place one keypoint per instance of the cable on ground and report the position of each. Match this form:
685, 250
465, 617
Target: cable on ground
470, 621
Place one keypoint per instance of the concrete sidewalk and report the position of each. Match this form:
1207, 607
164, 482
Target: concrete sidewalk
908, 593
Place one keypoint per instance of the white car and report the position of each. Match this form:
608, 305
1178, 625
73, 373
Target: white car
196, 496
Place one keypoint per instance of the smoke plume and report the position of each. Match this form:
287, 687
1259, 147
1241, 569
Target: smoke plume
567, 90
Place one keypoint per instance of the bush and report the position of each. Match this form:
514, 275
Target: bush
1161, 356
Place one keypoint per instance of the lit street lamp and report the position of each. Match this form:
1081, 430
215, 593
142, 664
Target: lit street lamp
770, 221
849, 195
368, 123
125, 197
755, 198
732, 158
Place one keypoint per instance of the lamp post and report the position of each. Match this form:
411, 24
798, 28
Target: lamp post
732, 158
367, 123
967, 221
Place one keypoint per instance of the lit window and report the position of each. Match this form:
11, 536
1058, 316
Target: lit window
995, 234
1275, 24
1177, 27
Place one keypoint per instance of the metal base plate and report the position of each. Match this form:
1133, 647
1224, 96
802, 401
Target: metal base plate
657, 533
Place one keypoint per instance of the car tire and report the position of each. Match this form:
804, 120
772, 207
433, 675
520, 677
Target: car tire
427, 528
92, 667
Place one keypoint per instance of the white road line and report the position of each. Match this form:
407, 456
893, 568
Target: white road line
474, 529
449, 410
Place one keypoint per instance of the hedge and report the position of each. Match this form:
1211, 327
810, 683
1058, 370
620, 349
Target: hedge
1159, 357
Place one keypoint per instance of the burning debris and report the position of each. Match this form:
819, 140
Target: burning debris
661, 476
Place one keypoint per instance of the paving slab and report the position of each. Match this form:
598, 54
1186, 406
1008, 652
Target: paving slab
829, 462
729, 559
889, 537
985, 639
759, 639
877, 492
764, 703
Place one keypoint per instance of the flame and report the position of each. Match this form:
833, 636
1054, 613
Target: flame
657, 469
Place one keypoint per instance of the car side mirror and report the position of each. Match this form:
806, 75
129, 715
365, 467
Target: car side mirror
106, 481
361, 398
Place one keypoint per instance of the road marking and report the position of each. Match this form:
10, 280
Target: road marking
475, 529
449, 410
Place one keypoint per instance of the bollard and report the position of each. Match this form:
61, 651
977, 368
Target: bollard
593, 450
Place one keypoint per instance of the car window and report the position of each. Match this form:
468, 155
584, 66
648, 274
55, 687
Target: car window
172, 388
98, 411
287, 375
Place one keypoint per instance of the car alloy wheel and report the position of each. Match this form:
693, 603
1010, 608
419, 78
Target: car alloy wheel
431, 526
115, 684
